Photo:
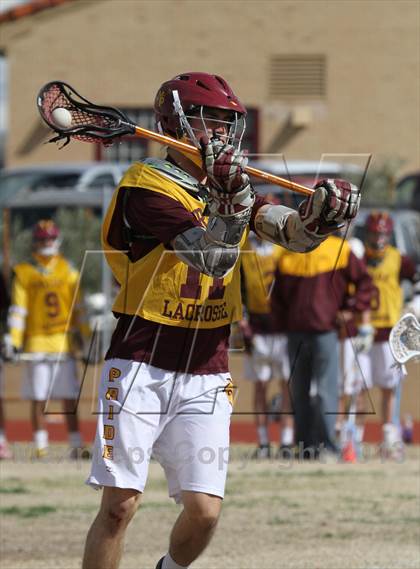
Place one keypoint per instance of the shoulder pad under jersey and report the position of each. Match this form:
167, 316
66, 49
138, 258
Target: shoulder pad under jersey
175, 174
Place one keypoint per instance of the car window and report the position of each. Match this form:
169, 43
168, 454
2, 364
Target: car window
411, 237
405, 192
102, 181
54, 181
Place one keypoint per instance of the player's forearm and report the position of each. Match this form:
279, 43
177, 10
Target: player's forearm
283, 226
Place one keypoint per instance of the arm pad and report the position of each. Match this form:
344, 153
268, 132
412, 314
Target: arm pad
283, 226
213, 250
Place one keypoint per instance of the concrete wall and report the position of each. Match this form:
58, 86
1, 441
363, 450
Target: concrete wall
119, 51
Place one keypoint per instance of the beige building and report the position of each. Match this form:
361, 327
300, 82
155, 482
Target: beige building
320, 76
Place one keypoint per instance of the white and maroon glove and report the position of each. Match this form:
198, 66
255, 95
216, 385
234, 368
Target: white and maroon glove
332, 203
230, 189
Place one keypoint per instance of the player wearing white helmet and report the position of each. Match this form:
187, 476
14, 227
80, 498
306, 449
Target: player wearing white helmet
172, 236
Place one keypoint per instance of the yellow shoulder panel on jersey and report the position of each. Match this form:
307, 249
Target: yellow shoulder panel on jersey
332, 254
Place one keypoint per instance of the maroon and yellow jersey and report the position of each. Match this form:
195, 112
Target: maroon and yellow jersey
387, 302
45, 305
311, 288
157, 218
158, 286
259, 260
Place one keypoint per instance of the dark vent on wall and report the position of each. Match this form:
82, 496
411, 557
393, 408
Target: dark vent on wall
298, 76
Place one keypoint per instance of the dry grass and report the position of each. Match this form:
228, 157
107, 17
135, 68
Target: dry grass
276, 515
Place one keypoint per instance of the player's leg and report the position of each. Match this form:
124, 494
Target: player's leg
388, 400
300, 381
72, 421
65, 386
105, 539
325, 370
287, 423
257, 369
39, 428
387, 377
133, 399
194, 527
281, 369
35, 387
261, 419
193, 449
4, 447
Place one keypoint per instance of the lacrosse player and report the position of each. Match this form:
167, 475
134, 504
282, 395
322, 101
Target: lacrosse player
356, 335
266, 349
42, 325
172, 237
308, 292
4, 304
387, 268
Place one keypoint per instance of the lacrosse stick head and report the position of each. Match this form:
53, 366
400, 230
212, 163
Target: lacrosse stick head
404, 339
86, 121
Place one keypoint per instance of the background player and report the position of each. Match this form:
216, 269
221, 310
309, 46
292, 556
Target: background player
172, 237
4, 305
387, 268
266, 349
43, 323
307, 295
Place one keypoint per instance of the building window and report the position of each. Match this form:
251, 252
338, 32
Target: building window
132, 148
298, 76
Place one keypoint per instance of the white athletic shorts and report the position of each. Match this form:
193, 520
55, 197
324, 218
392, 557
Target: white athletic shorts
44, 380
269, 358
181, 419
377, 367
351, 376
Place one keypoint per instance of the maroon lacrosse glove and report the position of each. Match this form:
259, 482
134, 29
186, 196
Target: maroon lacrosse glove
332, 203
228, 183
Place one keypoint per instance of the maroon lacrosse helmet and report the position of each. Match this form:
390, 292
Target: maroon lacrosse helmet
379, 222
45, 229
379, 227
188, 92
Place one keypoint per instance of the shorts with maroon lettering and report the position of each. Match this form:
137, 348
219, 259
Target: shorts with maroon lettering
182, 420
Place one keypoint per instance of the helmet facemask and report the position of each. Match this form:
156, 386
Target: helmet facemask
234, 128
376, 243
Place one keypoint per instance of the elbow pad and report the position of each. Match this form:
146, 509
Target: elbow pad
196, 250
215, 249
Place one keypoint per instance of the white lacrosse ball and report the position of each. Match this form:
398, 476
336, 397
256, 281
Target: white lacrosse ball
61, 117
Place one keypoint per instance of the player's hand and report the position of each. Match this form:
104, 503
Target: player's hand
228, 183
364, 339
10, 352
247, 335
332, 203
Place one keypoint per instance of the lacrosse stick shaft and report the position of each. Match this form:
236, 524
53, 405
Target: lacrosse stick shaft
178, 145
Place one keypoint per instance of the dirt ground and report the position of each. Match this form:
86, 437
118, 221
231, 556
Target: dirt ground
277, 514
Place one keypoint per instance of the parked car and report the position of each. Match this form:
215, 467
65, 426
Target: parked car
407, 192
80, 177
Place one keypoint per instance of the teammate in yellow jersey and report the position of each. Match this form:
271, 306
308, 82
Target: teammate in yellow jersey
266, 358
5, 451
387, 267
45, 317
172, 237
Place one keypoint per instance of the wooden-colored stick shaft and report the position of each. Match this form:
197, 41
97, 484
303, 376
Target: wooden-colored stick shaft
178, 145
